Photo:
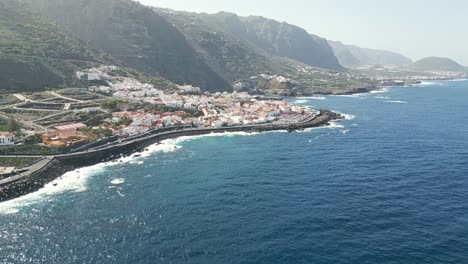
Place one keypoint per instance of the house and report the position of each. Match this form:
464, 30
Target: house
68, 135
6, 139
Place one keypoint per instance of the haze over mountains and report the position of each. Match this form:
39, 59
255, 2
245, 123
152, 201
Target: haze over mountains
353, 56
437, 64
42, 43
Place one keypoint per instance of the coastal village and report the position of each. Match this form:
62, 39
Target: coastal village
115, 108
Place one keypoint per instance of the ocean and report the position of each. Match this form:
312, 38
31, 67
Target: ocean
387, 185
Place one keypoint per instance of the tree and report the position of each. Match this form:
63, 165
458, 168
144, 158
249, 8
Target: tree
32, 140
13, 125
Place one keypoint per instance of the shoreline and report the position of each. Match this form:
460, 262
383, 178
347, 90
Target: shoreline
50, 168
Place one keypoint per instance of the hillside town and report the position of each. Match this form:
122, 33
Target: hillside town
119, 107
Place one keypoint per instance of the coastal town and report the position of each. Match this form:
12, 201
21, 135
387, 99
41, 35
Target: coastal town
114, 108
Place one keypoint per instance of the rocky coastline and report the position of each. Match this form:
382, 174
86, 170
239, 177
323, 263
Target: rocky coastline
53, 167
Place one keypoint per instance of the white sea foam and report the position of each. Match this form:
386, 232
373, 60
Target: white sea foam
301, 101
396, 102
312, 98
383, 97
178, 140
8, 211
73, 181
346, 116
76, 181
357, 96
364, 95
118, 181
383, 90
458, 80
426, 84
335, 125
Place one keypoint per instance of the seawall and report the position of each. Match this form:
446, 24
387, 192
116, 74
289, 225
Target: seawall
60, 164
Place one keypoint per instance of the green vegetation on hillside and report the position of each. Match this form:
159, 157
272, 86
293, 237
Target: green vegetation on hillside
9, 125
36, 53
136, 36
44, 42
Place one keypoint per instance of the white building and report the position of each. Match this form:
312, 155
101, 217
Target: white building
6, 139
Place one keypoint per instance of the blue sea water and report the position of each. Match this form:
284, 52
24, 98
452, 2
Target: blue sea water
388, 185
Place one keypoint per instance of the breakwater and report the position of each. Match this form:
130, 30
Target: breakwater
53, 167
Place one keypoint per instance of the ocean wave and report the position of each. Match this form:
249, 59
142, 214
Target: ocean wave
427, 83
335, 125
424, 83
118, 181
356, 96
346, 116
396, 102
178, 140
301, 101
383, 97
312, 97
363, 96
77, 180
383, 90
73, 181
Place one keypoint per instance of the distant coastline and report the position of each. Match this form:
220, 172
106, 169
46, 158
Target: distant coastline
51, 167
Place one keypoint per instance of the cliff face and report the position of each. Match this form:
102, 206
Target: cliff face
57, 37
275, 38
285, 40
353, 56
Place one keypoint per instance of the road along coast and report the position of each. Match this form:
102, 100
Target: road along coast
51, 167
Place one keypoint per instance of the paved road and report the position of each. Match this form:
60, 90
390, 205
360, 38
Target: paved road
21, 98
64, 97
24, 156
34, 167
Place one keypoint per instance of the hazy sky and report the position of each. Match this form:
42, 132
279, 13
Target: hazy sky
416, 28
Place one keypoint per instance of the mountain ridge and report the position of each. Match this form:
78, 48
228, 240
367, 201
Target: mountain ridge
353, 56
135, 35
217, 52
437, 64
281, 39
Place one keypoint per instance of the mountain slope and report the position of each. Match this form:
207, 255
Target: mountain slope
436, 64
37, 53
230, 57
280, 39
135, 35
353, 56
